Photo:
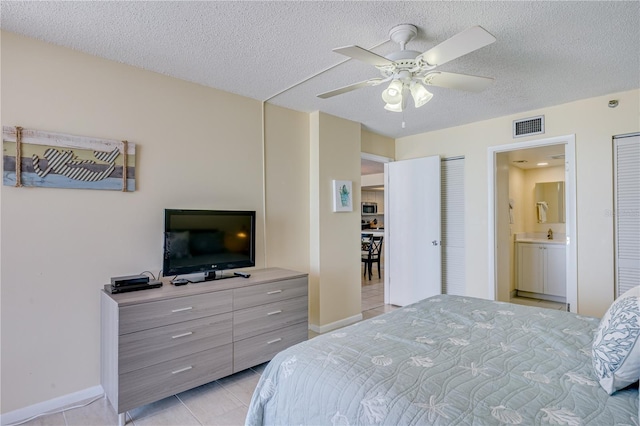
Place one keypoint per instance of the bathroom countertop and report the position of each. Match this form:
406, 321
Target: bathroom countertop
540, 238
541, 241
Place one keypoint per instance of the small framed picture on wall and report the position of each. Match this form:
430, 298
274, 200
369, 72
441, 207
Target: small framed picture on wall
342, 196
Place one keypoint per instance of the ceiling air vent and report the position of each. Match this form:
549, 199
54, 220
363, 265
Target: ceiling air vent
528, 126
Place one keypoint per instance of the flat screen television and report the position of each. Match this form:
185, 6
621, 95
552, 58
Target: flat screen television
208, 241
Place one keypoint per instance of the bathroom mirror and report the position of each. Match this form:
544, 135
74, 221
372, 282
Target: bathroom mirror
549, 198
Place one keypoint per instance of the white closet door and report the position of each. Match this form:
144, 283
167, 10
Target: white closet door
626, 150
412, 230
453, 259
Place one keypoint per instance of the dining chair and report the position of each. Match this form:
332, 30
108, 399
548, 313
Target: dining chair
372, 254
365, 244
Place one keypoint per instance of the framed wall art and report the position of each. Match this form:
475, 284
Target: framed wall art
342, 196
54, 160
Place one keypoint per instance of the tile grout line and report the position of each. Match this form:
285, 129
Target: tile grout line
233, 394
189, 410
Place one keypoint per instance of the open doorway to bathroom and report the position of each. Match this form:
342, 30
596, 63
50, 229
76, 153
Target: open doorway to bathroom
532, 223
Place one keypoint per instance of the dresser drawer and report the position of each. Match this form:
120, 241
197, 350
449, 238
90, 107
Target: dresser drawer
156, 345
163, 312
158, 381
259, 349
247, 297
264, 318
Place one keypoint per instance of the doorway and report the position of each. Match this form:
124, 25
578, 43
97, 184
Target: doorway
373, 191
506, 217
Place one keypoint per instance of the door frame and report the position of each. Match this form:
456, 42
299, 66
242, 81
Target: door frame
570, 204
374, 157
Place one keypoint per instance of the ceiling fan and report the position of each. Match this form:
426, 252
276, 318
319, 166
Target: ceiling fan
410, 71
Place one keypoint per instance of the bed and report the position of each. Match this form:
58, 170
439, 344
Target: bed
445, 360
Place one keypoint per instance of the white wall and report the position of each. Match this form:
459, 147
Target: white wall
376, 179
59, 246
593, 123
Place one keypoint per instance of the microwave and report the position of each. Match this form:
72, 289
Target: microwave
369, 208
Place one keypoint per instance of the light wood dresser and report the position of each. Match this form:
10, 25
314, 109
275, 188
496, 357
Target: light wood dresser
159, 342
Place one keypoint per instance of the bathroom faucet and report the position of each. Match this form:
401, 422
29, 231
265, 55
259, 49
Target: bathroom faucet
550, 234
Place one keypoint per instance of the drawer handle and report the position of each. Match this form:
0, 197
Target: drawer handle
182, 309
274, 312
274, 340
182, 335
274, 292
182, 370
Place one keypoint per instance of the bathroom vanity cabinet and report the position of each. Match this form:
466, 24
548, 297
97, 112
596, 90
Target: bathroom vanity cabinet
541, 268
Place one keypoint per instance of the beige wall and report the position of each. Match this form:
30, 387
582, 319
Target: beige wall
59, 246
373, 143
335, 258
503, 229
287, 188
593, 123
516, 193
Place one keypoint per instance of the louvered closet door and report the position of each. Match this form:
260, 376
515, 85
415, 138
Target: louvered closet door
626, 151
452, 205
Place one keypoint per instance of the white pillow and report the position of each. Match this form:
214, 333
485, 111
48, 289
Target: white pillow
616, 345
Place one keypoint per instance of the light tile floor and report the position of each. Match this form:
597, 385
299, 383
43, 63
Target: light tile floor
539, 303
373, 295
219, 403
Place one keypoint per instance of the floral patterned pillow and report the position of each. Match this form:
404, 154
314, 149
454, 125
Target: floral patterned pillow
616, 345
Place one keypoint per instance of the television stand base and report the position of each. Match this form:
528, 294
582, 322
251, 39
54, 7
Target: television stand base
214, 276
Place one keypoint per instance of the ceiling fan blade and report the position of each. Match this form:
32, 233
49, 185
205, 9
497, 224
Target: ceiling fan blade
460, 44
349, 88
449, 80
364, 55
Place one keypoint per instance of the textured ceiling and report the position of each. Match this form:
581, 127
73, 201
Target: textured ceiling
546, 53
529, 158
370, 167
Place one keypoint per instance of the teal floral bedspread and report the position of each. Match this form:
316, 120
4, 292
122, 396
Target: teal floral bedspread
446, 360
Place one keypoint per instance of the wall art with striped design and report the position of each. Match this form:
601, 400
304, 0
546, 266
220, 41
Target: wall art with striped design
55, 160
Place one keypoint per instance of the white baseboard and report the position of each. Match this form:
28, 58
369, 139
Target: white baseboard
50, 406
334, 325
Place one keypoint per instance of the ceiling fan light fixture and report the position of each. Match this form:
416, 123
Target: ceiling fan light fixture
394, 107
393, 93
420, 94
412, 72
